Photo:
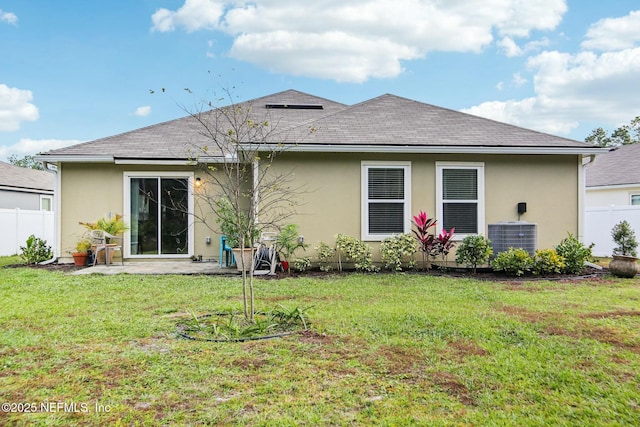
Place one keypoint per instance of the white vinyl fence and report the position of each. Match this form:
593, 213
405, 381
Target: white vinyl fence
16, 225
599, 222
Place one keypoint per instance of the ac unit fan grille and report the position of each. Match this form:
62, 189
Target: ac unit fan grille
505, 235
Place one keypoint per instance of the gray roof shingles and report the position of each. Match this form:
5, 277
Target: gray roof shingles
387, 120
18, 178
620, 166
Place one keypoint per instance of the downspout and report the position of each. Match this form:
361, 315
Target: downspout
53, 168
582, 190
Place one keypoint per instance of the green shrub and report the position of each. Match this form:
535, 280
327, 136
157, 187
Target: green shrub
398, 249
356, 251
624, 236
547, 261
514, 262
36, 250
302, 264
325, 256
474, 250
575, 254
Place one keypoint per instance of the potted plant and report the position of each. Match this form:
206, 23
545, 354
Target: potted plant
288, 242
113, 225
81, 253
624, 263
234, 227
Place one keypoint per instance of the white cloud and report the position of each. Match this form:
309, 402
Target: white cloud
518, 80
614, 33
354, 40
194, 15
34, 146
142, 111
15, 108
574, 88
8, 17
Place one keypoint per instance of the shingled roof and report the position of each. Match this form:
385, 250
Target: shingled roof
15, 178
620, 166
385, 123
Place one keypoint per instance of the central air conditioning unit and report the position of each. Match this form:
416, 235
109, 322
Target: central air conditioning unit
513, 234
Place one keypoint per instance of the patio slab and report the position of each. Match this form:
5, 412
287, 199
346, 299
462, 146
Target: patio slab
169, 267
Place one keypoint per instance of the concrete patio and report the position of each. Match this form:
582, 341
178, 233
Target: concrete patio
168, 267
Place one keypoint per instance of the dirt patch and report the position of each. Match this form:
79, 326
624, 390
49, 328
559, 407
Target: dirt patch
312, 337
400, 361
450, 384
611, 314
459, 350
51, 267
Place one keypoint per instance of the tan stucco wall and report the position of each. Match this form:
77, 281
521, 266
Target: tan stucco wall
331, 202
89, 192
332, 205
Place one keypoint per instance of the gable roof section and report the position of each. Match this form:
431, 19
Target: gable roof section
15, 178
387, 123
391, 122
620, 166
175, 140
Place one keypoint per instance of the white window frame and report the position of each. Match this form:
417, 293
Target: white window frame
127, 211
365, 166
631, 196
479, 167
50, 199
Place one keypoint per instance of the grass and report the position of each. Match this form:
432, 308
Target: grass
383, 350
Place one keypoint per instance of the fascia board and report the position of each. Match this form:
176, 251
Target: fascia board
429, 150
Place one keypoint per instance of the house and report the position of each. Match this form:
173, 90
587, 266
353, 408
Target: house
367, 169
612, 195
23, 188
614, 178
26, 205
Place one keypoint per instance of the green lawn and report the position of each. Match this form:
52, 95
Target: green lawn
384, 350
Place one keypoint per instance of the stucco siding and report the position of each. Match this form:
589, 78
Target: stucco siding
19, 200
332, 202
611, 196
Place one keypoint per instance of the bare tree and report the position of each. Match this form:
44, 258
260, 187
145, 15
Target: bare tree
242, 189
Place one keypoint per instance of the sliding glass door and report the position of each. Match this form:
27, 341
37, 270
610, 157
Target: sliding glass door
159, 209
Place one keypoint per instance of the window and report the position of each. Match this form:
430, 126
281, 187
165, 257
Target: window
46, 203
635, 199
157, 207
460, 197
386, 210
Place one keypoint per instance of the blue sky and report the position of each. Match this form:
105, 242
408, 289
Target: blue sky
80, 70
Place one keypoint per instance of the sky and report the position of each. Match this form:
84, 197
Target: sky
80, 70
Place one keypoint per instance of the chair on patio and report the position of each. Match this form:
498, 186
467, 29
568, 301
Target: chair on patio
104, 242
226, 253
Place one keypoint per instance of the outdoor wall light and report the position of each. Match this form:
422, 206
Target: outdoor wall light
198, 182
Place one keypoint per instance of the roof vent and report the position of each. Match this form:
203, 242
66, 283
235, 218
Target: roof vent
296, 106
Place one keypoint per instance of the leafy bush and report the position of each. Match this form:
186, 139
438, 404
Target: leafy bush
624, 236
547, 261
514, 262
325, 256
575, 254
36, 250
302, 264
398, 249
474, 250
356, 251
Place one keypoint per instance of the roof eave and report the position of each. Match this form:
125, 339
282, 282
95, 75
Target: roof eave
440, 149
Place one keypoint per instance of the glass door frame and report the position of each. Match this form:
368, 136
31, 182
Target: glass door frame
127, 211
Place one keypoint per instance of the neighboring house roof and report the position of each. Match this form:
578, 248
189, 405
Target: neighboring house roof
15, 178
385, 123
620, 166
